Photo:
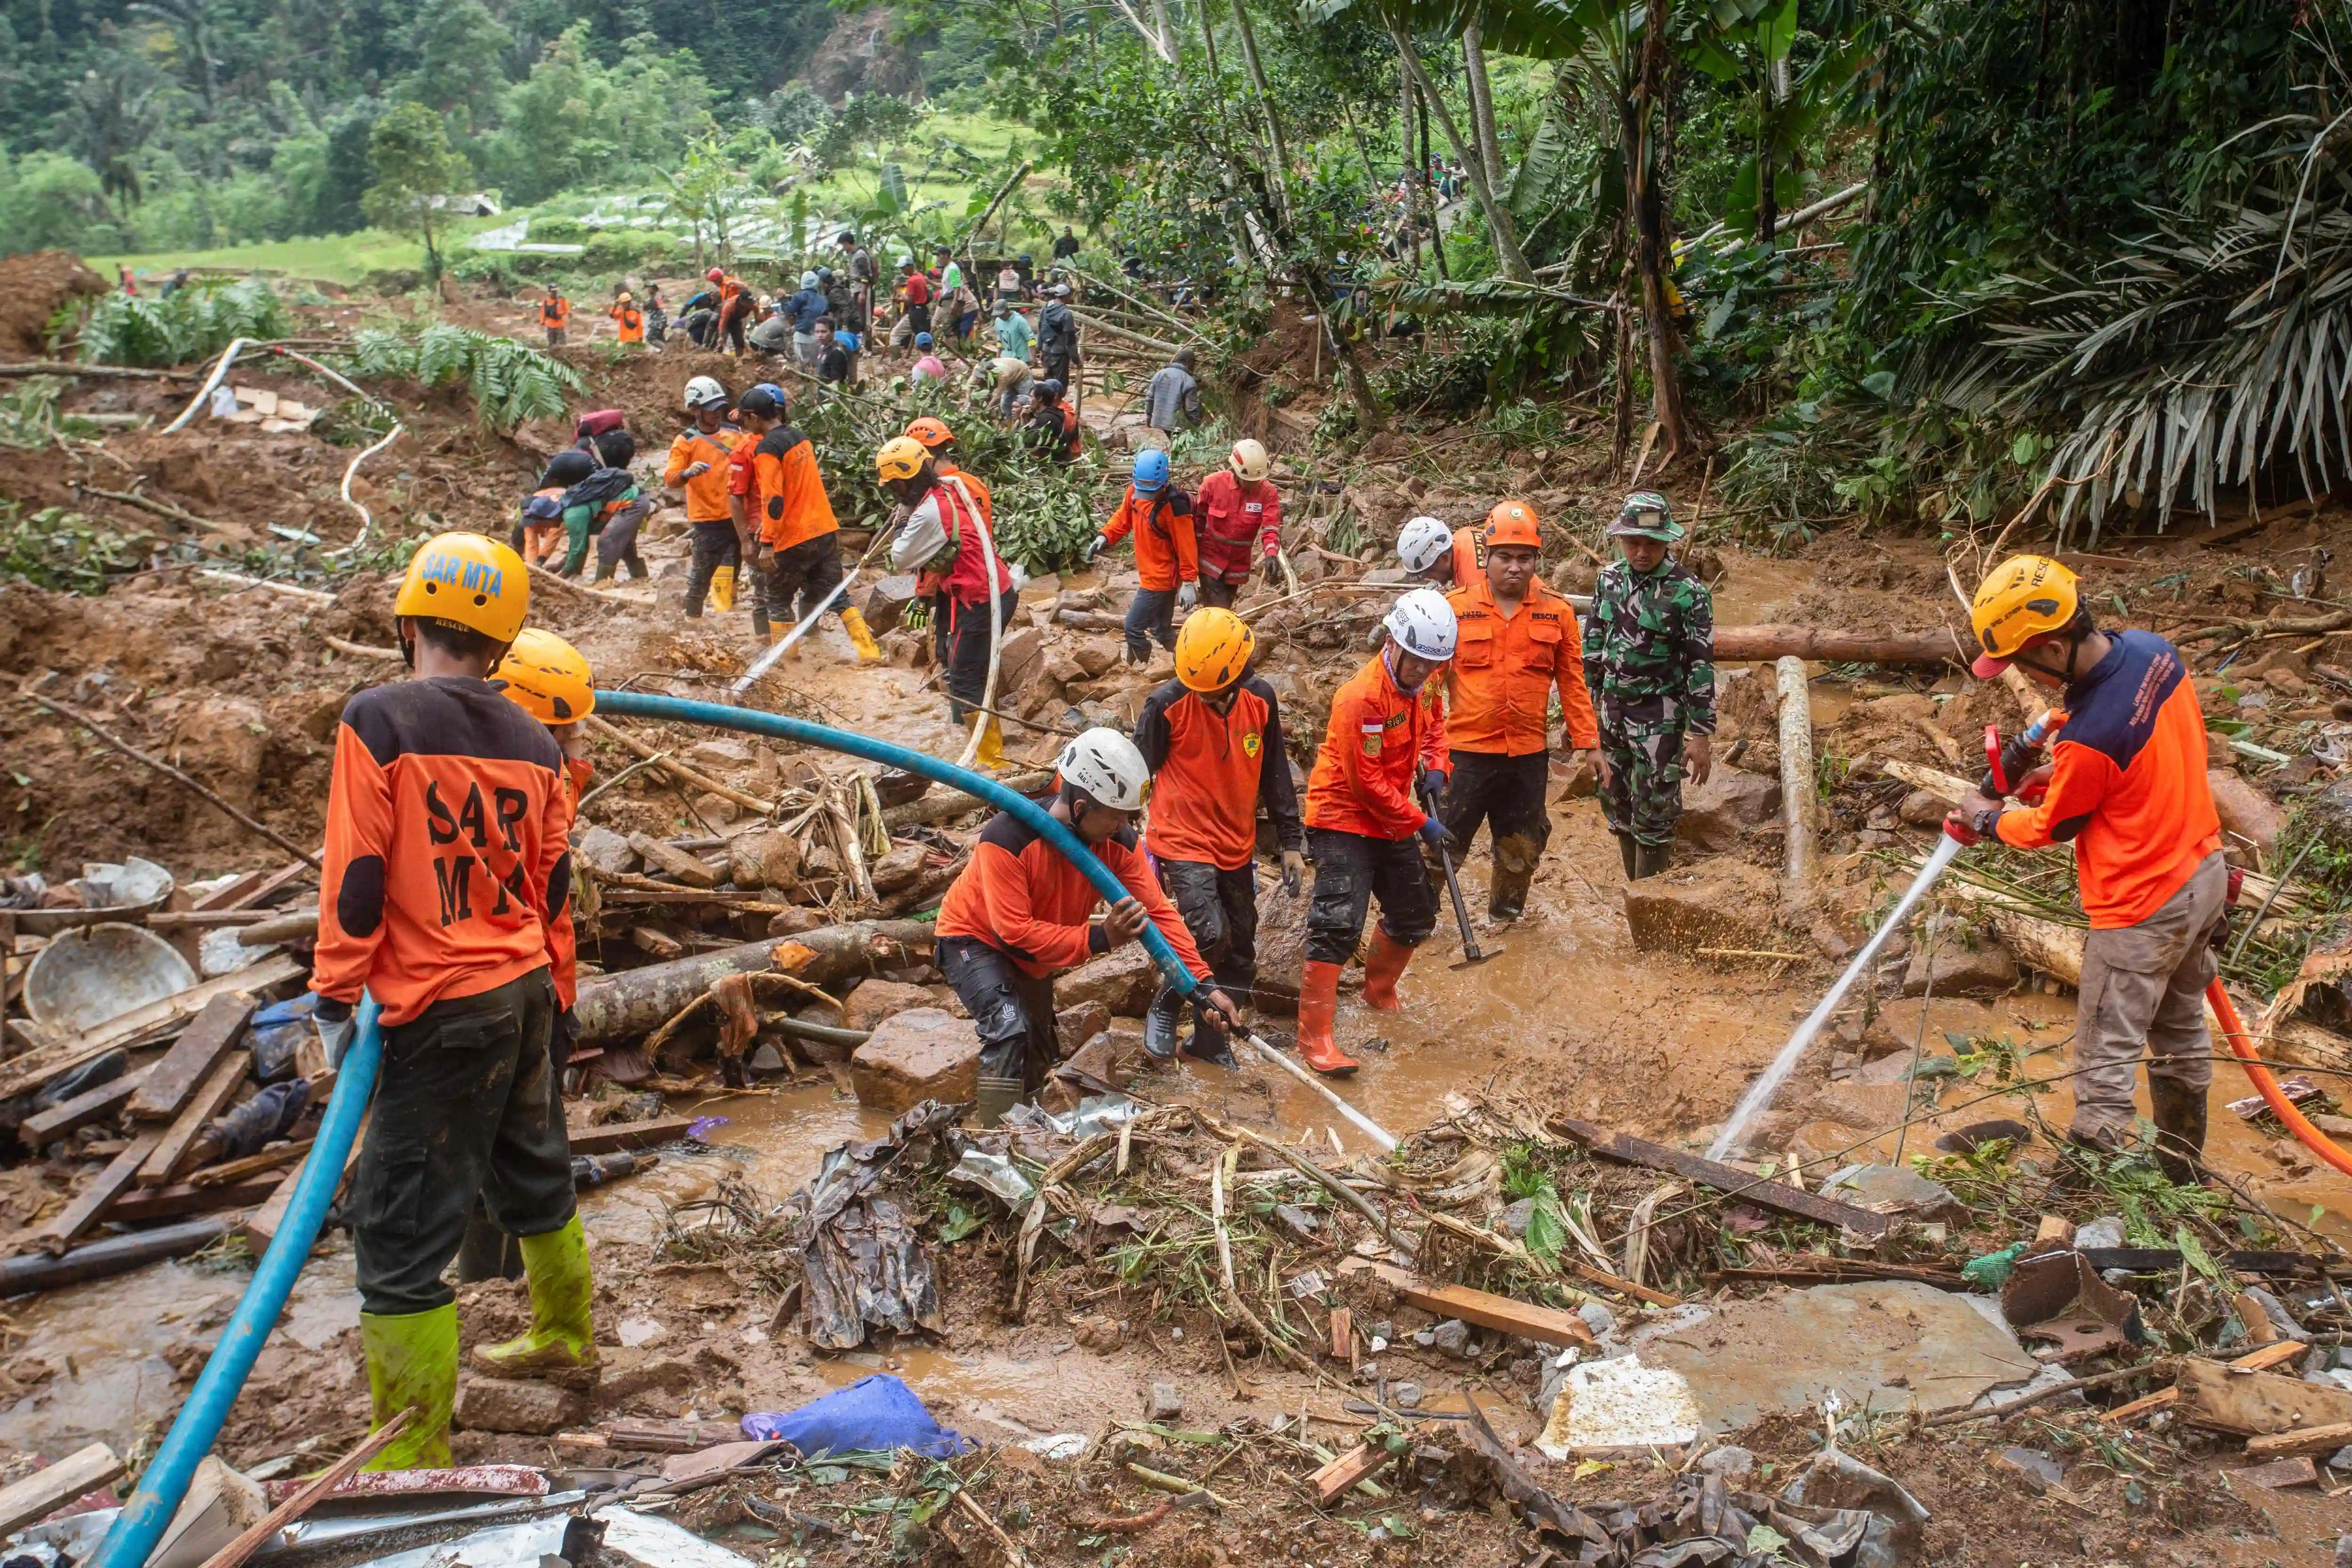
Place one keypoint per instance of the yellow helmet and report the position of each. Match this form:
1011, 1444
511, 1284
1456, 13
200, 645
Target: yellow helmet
546, 678
466, 581
901, 458
1212, 650
2021, 600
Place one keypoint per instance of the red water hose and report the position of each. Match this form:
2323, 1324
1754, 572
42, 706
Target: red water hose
2234, 1031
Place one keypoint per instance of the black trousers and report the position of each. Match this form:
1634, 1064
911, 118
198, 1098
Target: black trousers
715, 545
1217, 594
1506, 794
617, 545
1150, 618
806, 572
1220, 909
1012, 1012
466, 1108
967, 650
1351, 870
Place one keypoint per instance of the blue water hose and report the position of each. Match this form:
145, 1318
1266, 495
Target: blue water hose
678, 711
165, 1480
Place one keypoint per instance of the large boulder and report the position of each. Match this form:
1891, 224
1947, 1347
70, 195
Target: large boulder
1018, 662
886, 602
1732, 800
1281, 946
1121, 981
923, 1053
1720, 903
876, 1000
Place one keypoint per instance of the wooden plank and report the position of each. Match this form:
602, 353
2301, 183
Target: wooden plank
2148, 1404
2280, 1474
1745, 1185
261, 892
1544, 1325
52, 1487
618, 1135
2303, 1440
269, 1159
1343, 1334
231, 893
177, 1153
261, 1227
192, 1059
676, 862
1359, 1462
64, 1229
2251, 1404
46, 1127
140, 1026
145, 1205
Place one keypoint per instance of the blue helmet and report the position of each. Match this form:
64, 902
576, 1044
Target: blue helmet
922, 340
1151, 471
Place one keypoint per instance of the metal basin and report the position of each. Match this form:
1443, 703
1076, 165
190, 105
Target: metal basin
89, 975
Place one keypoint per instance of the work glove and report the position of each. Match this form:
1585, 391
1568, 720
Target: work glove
1432, 786
1294, 872
1187, 596
1095, 547
916, 617
1432, 833
1274, 570
337, 1027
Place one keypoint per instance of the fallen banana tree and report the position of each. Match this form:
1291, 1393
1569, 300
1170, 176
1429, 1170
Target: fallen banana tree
614, 1008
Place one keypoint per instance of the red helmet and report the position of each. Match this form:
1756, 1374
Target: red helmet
715, 276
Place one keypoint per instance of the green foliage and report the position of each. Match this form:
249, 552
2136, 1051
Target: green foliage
510, 382
48, 200
415, 169
63, 550
574, 120
196, 321
867, 122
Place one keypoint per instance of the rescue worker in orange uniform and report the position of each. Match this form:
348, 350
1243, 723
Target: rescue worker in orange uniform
699, 464
1238, 517
1213, 739
554, 315
445, 870
1166, 559
948, 545
1021, 912
1516, 643
798, 549
1385, 742
1447, 558
628, 322
2126, 786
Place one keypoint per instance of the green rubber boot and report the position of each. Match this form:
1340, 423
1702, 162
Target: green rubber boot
412, 1359
562, 1344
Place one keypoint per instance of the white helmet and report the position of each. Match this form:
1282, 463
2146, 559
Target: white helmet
1107, 767
1422, 624
703, 391
1249, 460
1424, 543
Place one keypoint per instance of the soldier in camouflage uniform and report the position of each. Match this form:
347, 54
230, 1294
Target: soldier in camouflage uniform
1649, 663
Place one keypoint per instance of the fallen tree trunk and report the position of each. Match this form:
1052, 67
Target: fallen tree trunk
1825, 645
1798, 786
635, 1001
943, 804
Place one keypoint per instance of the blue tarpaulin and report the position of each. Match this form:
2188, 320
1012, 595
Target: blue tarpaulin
874, 1412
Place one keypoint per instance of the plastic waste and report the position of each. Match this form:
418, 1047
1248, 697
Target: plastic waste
1991, 1272
877, 1413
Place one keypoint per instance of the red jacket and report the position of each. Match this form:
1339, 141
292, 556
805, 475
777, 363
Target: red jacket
1238, 525
1378, 740
1022, 897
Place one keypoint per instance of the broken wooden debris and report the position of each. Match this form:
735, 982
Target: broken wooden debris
43, 1128
68, 1226
1729, 1179
52, 1487
1544, 1325
177, 1150
104, 1260
140, 1026
1359, 1462
2255, 1403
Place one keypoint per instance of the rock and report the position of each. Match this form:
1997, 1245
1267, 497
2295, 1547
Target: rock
1451, 1336
1121, 981
1100, 1333
1078, 1026
875, 1000
1599, 1318
1717, 903
604, 852
1924, 808
1732, 1462
1860, 1104
1096, 655
1097, 1058
1961, 960
1018, 660
1715, 813
923, 1053
514, 1404
221, 740
764, 859
1281, 945
1893, 1189
2246, 812
2101, 1235
793, 922
2341, 1460
720, 753
1062, 669
767, 1058
1406, 1395
716, 809
1164, 1402
886, 602
1516, 1219
899, 868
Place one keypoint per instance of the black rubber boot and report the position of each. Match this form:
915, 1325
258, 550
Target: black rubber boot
1649, 859
2179, 1113
1209, 1042
1515, 870
1160, 1021
1625, 853
760, 622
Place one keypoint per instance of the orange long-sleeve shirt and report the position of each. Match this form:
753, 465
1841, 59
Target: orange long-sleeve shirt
445, 847
790, 506
1022, 897
975, 485
1499, 686
2127, 783
1379, 739
1469, 555
705, 493
1166, 556
1212, 771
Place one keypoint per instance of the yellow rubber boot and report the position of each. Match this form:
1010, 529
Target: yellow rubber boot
562, 1344
412, 1359
990, 754
722, 589
860, 636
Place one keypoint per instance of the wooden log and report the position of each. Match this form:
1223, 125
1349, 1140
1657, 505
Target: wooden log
1742, 1184
67, 1227
1544, 1325
145, 1205
200, 1049
676, 769
613, 1008
2247, 1403
2304, 1440
946, 805
1824, 645
615, 1136
176, 1154
43, 1128
1798, 786
677, 862
140, 1026
104, 1260
52, 1487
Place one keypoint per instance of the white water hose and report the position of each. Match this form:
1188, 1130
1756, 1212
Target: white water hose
776, 651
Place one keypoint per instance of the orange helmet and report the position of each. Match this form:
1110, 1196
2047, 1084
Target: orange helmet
1513, 522
932, 433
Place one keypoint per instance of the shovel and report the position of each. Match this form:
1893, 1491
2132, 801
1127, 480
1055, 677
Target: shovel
1472, 955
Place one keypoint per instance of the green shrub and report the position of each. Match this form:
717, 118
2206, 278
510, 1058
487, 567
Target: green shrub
196, 321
